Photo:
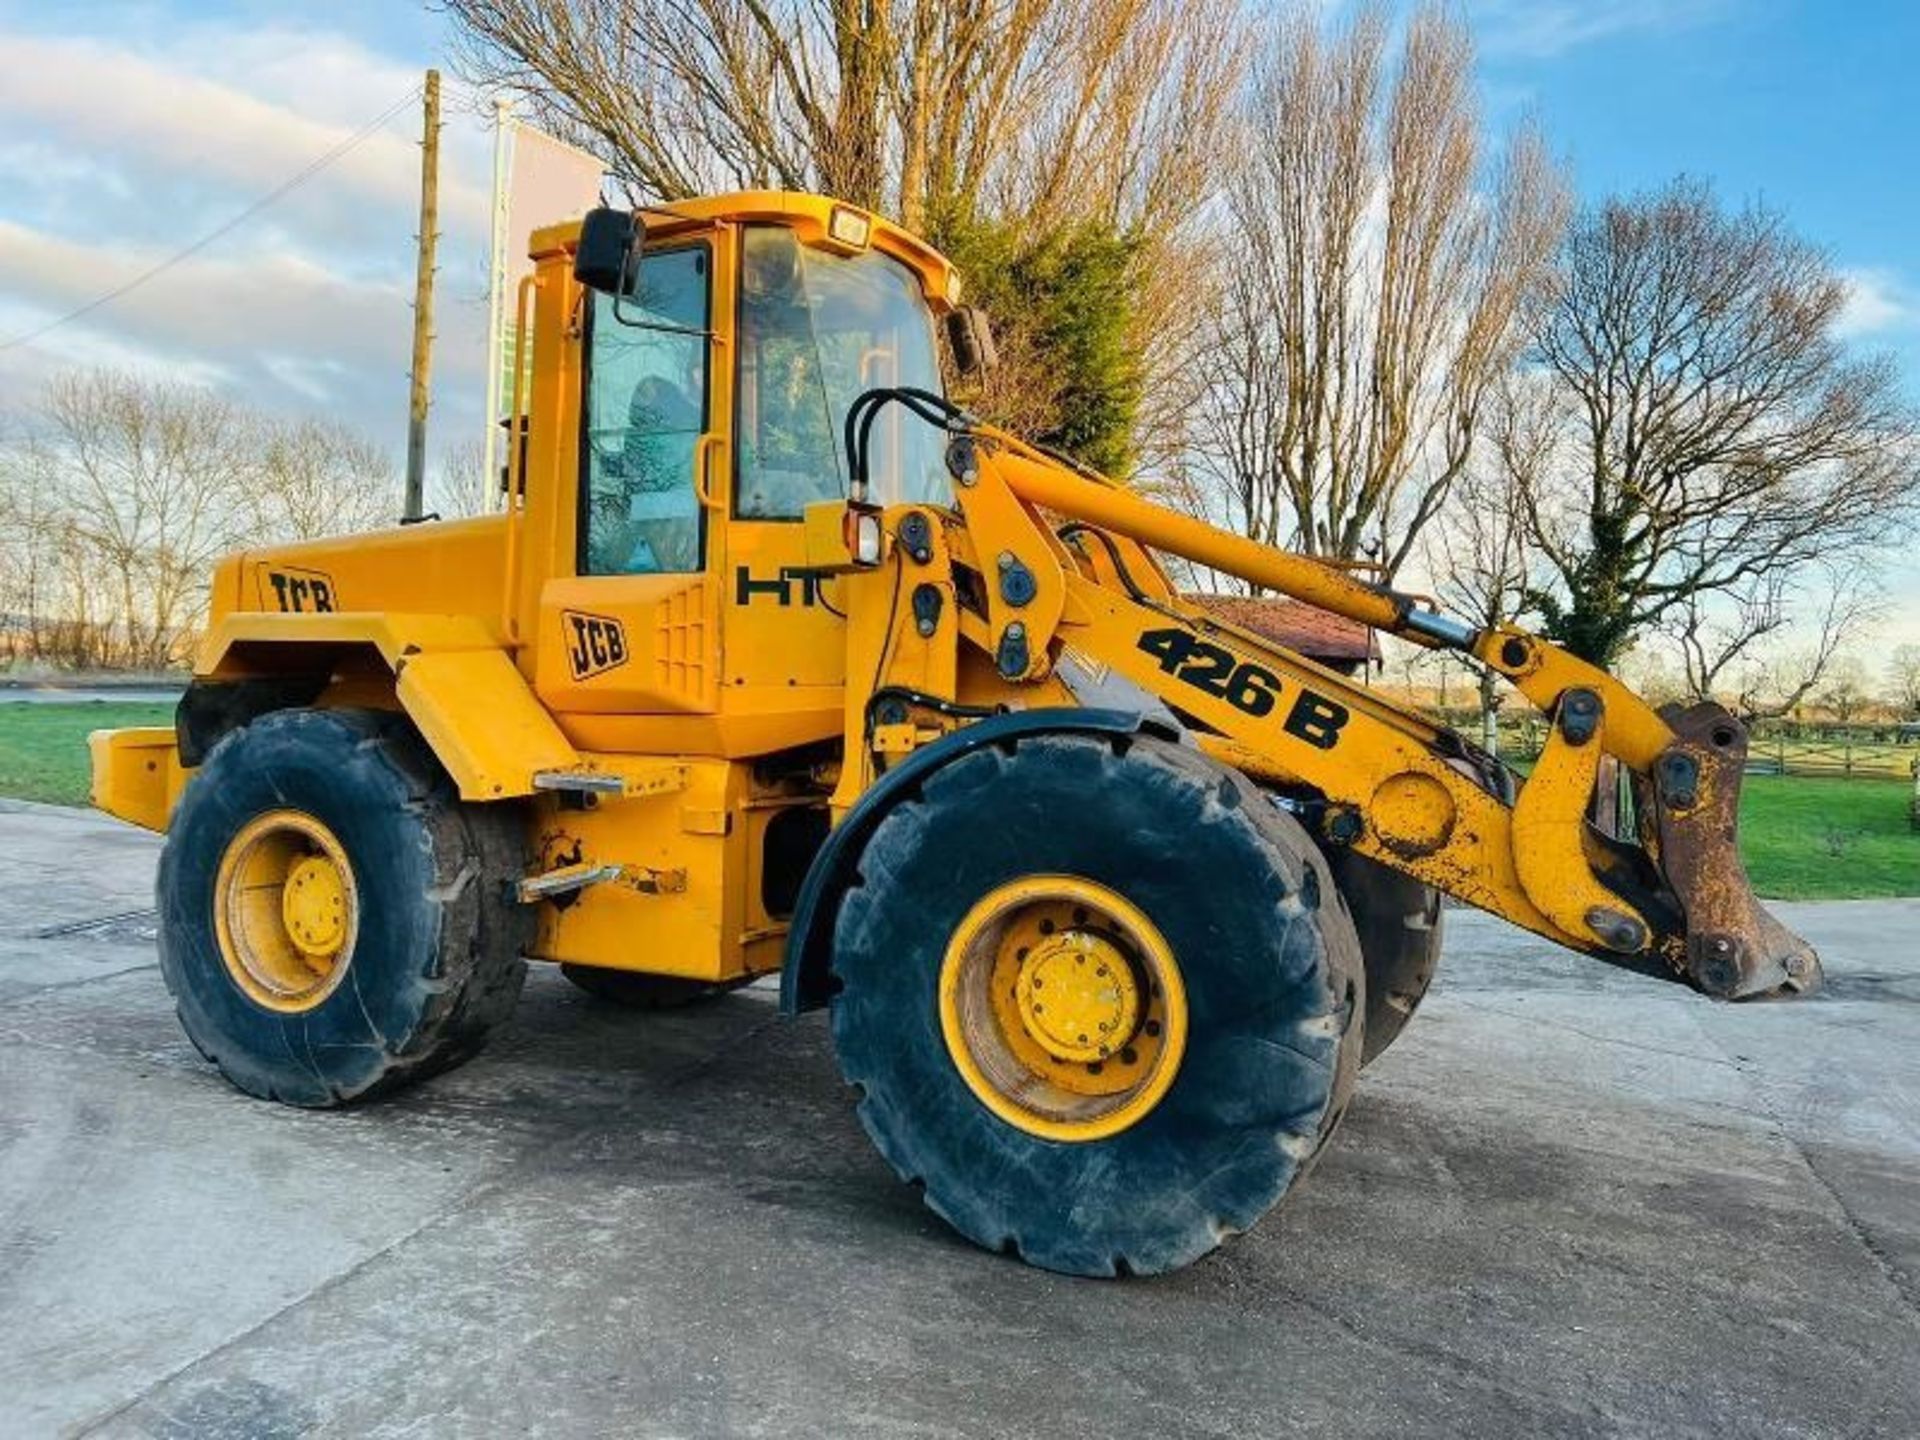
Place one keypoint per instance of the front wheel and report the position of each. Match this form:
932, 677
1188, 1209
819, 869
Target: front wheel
1101, 999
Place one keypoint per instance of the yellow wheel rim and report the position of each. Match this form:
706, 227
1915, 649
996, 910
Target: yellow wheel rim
1062, 1008
285, 910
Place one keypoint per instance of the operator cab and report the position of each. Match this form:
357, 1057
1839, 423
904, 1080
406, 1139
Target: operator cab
814, 328
720, 345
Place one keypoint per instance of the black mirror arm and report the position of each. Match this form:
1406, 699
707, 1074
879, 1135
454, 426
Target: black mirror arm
663, 326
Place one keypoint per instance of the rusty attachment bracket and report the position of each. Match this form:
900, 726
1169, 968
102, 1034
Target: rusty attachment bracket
1734, 946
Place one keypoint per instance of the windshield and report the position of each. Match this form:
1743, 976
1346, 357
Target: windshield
816, 330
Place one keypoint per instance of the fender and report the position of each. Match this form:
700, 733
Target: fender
460, 688
804, 978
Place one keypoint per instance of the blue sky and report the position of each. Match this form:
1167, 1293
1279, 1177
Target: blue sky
1811, 107
130, 127
128, 130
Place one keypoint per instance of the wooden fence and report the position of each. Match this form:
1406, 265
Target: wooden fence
1878, 752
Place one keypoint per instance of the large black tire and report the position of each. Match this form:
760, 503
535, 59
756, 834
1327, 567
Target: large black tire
437, 961
1399, 922
631, 990
1269, 960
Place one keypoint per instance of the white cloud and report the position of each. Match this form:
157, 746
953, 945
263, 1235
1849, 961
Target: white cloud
1877, 301
95, 99
122, 145
1542, 29
278, 327
33, 167
23, 370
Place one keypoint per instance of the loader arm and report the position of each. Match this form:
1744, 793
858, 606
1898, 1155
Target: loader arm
1053, 576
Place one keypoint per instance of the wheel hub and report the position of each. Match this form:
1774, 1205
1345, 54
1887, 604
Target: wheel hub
286, 910
1078, 996
314, 906
1062, 1007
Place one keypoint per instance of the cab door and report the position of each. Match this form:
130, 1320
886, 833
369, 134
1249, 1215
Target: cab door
635, 629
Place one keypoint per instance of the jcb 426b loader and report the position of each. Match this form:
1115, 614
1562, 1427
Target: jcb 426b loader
778, 661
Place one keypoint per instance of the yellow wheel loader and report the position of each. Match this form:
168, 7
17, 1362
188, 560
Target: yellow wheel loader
775, 660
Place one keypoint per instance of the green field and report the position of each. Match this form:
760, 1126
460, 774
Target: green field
43, 748
1804, 839
1807, 839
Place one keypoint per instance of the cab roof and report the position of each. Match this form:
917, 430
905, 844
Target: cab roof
810, 214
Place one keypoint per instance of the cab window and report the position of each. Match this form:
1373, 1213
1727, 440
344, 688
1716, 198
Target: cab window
646, 408
816, 330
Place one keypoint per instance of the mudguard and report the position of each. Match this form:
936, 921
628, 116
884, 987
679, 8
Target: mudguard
804, 975
452, 676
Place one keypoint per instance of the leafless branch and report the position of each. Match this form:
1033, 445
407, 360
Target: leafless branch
1381, 264
1724, 441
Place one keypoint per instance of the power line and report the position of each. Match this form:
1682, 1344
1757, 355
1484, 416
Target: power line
299, 177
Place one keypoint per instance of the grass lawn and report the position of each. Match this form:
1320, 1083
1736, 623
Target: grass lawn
1807, 839
1804, 839
43, 748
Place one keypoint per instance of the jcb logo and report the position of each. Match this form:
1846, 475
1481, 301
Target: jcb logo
595, 643
297, 591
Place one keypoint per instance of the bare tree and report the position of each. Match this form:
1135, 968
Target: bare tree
1412, 670
1479, 552
1903, 679
1379, 269
155, 479
1239, 419
461, 488
29, 529
1740, 636
317, 478
1045, 108
118, 494
1845, 694
1650, 673
1721, 435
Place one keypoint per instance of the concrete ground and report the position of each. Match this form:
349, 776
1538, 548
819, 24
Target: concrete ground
1569, 1202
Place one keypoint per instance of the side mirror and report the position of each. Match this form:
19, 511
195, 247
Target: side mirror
609, 247
970, 338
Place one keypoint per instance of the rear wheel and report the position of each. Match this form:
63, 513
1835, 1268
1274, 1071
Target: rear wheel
1102, 1000
633, 991
334, 922
1399, 922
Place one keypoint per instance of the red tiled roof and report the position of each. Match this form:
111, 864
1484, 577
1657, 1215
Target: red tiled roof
1315, 633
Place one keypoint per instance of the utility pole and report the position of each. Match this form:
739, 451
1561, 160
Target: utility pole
423, 304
